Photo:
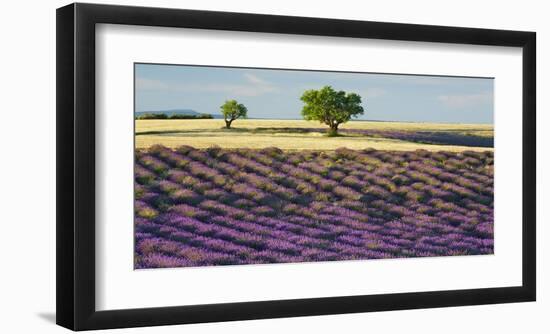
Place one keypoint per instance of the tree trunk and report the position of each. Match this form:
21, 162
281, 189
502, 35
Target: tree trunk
333, 131
228, 123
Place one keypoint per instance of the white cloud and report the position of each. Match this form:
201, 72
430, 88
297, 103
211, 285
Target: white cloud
252, 85
255, 79
465, 100
150, 84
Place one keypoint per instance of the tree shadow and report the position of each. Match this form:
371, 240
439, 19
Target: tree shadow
447, 137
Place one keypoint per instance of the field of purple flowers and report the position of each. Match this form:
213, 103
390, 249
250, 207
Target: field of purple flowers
201, 207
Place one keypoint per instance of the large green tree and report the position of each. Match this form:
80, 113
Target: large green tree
232, 110
330, 107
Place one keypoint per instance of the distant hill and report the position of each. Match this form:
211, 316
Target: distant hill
171, 112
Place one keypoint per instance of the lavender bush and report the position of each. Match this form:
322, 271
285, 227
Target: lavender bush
243, 206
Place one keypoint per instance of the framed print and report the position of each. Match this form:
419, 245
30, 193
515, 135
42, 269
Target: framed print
221, 166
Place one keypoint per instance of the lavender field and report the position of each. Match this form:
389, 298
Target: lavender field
223, 206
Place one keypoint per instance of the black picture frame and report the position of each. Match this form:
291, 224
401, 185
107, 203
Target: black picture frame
76, 160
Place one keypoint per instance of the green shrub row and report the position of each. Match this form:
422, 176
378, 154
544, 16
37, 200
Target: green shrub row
175, 116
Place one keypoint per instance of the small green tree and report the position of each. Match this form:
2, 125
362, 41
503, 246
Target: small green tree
233, 110
330, 107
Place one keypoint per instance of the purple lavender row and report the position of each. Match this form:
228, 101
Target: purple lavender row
201, 166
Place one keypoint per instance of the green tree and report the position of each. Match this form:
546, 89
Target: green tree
330, 107
232, 110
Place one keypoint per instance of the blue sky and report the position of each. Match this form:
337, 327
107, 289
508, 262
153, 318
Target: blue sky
276, 93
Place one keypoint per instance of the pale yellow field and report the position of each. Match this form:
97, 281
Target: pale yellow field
210, 132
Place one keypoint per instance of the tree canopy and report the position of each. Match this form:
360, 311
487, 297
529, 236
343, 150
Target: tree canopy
233, 110
331, 107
